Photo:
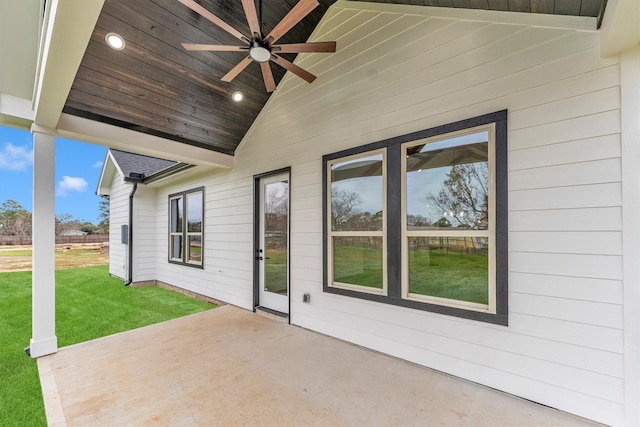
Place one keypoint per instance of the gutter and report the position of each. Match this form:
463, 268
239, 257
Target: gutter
135, 178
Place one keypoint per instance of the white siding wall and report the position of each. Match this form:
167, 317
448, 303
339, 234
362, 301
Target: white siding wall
396, 73
118, 216
145, 233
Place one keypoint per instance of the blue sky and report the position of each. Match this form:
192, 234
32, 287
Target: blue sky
78, 167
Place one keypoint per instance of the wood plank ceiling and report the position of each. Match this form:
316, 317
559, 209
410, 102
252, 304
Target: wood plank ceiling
156, 87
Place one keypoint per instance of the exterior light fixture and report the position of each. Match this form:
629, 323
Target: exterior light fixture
115, 41
237, 96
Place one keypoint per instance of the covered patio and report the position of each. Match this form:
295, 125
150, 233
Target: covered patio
230, 366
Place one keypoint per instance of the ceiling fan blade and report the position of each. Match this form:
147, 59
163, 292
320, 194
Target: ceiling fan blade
267, 75
237, 69
305, 75
295, 15
213, 18
304, 47
213, 47
252, 17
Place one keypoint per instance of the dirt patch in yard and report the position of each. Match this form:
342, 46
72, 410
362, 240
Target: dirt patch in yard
71, 255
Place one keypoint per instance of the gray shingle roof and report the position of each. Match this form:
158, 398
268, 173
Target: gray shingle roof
138, 163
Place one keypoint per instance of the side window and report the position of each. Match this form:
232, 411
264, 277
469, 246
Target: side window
420, 220
186, 213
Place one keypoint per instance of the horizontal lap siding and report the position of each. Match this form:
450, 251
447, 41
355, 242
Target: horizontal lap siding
395, 74
228, 271
118, 216
144, 242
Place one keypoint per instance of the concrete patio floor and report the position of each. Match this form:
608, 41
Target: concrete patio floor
228, 367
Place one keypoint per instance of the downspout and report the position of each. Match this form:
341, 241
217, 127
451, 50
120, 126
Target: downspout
135, 178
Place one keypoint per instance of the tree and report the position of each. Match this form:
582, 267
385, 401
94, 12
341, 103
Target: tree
14, 220
464, 196
343, 207
64, 222
104, 214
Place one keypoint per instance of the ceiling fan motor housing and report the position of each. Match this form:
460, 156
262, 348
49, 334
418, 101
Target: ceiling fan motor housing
259, 51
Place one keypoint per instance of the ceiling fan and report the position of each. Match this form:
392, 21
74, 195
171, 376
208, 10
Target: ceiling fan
261, 48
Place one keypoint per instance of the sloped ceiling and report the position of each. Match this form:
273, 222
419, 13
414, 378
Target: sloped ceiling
156, 87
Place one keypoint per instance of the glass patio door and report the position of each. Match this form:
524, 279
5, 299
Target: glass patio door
273, 250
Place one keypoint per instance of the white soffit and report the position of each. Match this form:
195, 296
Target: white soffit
620, 30
19, 32
86, 130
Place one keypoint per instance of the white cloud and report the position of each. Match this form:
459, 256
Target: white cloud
15, 157
98, 164
70, 184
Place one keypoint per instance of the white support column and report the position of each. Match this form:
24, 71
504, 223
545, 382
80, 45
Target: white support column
630, 103
44, 340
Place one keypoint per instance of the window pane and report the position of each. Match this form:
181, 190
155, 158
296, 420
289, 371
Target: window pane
195, 248
356, 194
448, 183
176, 247
358, 261
176, 215
276, 237
450, 267
194, 212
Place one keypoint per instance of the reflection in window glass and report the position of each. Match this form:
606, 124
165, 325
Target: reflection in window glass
455, 268
176, 215
357, 194
448, 183
176, 246
358, 261
195, 248
194, 212
186, 227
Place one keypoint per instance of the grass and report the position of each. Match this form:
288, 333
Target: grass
89, 304
452, 275
434, 272
358, 265
276, 271
18, 252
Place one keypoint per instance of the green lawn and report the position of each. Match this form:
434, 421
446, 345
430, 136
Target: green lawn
448, 274
434, 272
276, 271
89, 304
19, 252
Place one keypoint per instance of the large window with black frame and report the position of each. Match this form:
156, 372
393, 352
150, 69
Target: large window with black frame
421, 220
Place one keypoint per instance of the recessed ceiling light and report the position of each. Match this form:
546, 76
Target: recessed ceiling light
237, 96
115, 41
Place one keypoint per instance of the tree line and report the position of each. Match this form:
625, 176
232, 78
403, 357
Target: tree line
15, 220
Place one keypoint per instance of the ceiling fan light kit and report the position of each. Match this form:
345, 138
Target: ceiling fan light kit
259, 51
261, 48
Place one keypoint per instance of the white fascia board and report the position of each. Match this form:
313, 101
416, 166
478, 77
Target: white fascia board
65, 35
93, 132
620, 30
109, 169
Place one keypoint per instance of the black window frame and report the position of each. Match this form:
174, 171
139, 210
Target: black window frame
394, 262
184, 261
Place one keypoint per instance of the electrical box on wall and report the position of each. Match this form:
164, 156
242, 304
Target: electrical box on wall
124, 234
